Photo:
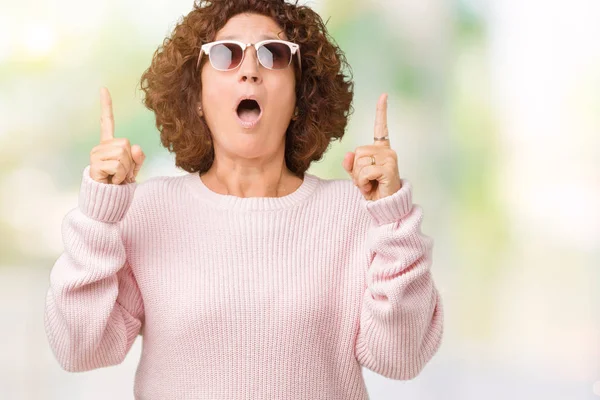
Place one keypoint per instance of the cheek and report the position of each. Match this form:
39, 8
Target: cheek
212, 82
213, 90
284, 91
210, 88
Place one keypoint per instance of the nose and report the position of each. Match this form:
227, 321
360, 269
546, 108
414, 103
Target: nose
249, 70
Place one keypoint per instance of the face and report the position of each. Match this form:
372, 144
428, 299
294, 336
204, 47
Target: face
274, 90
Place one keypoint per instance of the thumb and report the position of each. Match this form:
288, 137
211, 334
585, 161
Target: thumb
348, 162
138, 157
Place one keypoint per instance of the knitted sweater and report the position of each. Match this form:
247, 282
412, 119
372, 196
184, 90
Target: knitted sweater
244, 298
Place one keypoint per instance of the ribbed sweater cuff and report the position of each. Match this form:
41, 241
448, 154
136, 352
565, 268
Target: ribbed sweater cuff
392, 208
104, 202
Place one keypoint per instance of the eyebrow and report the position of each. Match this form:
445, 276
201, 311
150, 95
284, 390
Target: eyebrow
261, 37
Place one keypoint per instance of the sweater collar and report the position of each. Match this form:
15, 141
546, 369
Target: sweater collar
230, 202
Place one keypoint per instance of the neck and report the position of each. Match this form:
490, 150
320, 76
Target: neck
251, 182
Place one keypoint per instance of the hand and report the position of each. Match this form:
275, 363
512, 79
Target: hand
383, 178
113, 160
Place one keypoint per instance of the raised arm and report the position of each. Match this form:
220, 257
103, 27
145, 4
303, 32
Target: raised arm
401, 320
94, 308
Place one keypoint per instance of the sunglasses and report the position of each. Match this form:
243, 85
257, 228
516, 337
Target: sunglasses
226, 55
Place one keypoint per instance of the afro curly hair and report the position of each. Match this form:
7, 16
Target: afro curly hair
324, 92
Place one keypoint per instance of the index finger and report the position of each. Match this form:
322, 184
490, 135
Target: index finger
107, 120
381, 128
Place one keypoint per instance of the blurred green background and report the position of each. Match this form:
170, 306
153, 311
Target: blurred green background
494, 111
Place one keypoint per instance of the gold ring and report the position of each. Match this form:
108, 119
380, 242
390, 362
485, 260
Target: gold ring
372, 160
382, 138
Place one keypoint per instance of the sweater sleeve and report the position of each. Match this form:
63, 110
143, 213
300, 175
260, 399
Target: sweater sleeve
94, 308
401, 321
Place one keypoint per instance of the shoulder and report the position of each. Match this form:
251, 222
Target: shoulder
158, 184
157, 192
155, 200
340, 192
334, 184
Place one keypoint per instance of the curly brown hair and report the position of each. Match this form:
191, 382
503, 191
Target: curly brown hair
324, 93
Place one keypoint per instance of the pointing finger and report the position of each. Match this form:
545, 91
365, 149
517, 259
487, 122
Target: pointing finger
107, 120
381, 128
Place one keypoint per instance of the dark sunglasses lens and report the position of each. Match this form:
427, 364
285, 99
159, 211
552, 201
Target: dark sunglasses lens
225, 56
275, 55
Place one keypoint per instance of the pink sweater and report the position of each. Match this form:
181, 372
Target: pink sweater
244, 298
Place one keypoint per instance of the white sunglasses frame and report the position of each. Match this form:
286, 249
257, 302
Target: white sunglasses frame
295, 49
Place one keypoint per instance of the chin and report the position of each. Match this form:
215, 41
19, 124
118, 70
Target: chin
248, 145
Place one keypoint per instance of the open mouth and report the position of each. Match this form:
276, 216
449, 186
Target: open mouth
249, 112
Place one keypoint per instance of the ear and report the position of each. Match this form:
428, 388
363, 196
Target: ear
199, 110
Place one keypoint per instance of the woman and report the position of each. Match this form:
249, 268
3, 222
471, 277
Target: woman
247, 276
